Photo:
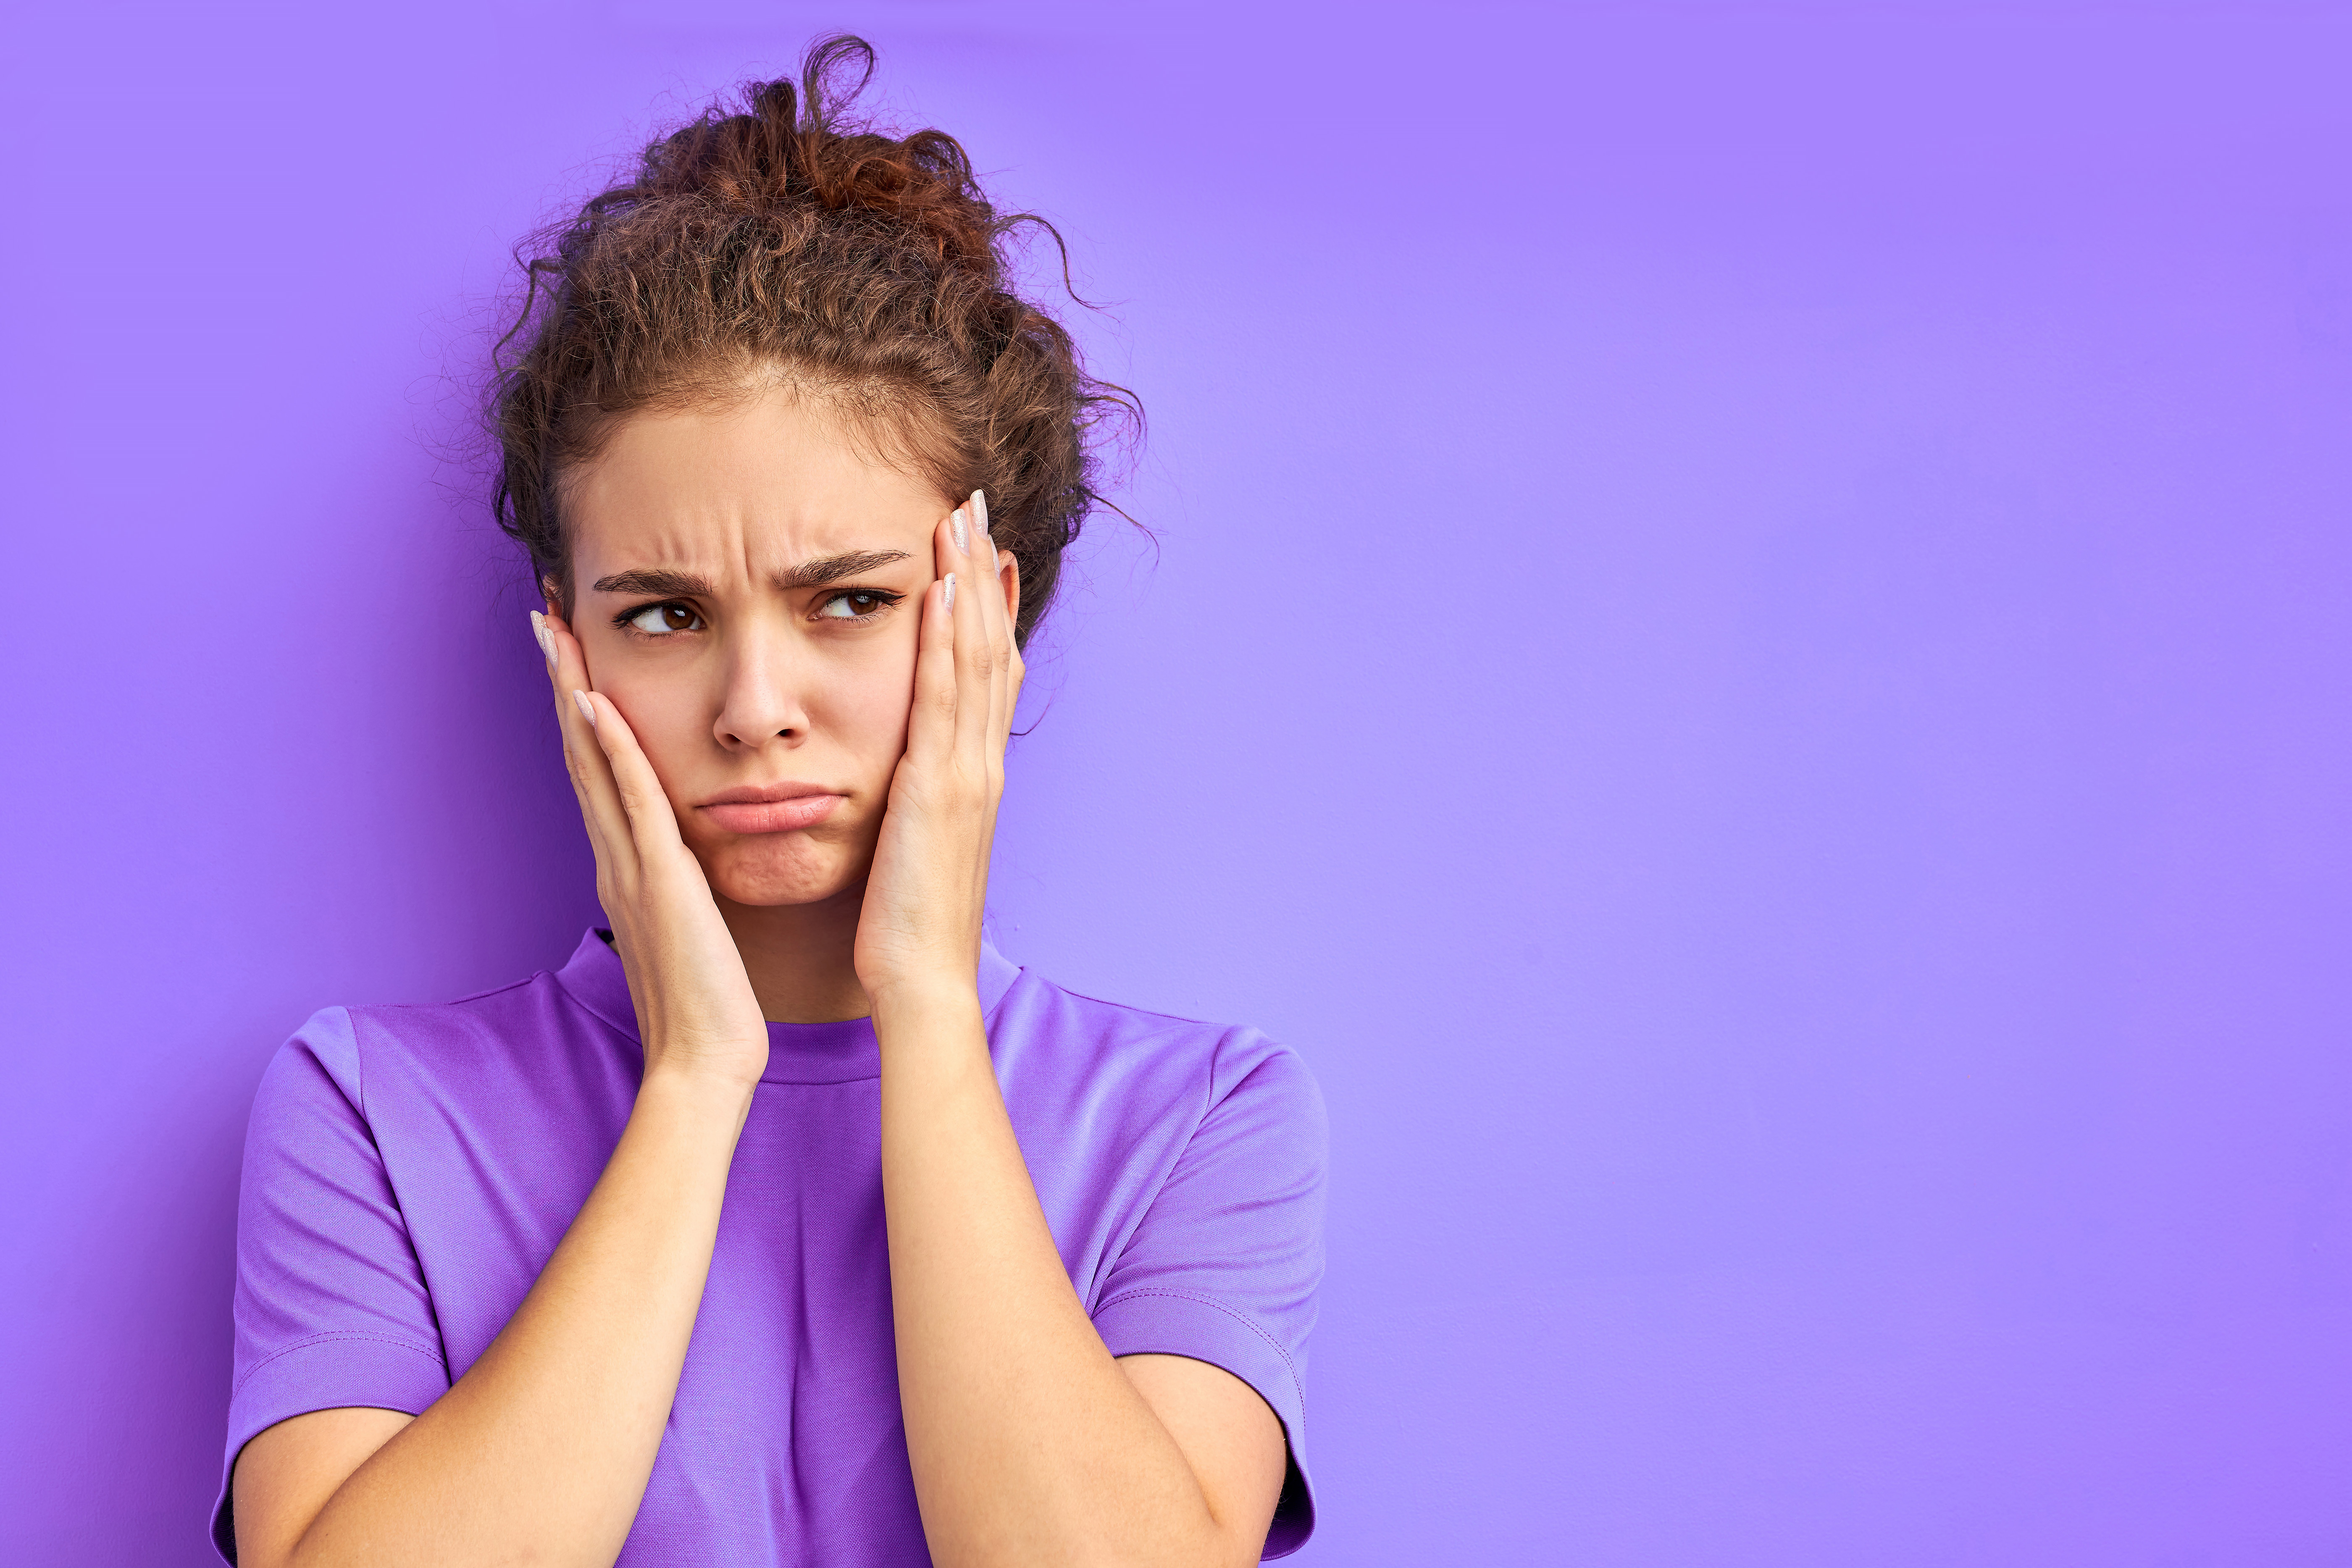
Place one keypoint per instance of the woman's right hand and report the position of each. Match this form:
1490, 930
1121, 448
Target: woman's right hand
696, 1011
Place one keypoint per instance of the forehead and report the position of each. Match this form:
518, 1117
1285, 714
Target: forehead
750, 486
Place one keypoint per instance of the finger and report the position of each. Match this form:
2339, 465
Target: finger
931, 728
971, 653
987, 564
1003, 610
592, 775
931, 723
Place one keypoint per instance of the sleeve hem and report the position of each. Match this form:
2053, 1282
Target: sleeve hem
1160, 1321
325, 1371
338, 1337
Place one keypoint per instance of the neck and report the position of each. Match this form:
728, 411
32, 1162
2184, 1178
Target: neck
802, 957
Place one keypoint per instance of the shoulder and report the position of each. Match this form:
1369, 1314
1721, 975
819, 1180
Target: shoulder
1216, 1071
360, 1055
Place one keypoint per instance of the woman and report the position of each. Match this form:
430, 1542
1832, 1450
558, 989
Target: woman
787, 1222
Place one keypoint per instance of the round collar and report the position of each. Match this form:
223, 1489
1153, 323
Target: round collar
797, 1053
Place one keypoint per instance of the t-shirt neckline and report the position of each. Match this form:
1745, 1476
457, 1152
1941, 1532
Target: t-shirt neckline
844, 1052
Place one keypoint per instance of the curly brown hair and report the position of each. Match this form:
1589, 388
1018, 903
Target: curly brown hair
790, 243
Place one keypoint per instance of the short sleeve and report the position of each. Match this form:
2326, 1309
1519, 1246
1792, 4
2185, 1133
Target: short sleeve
330, 1307
1225, 1266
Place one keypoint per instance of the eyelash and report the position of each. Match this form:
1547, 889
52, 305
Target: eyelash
884, 600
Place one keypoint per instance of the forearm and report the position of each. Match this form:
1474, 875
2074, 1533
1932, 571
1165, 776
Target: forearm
1029, 1445
541, 1451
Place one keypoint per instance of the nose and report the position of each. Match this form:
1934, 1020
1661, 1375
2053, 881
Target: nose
761, 703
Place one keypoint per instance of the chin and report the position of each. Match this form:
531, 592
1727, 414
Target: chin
780, 869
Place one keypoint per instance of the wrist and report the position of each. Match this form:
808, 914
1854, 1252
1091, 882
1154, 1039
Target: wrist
698, 1090
924, 1006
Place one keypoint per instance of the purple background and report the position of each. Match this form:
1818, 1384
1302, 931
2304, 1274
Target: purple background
1748, 649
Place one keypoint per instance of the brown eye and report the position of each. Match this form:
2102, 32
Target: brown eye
660, 620
850, 606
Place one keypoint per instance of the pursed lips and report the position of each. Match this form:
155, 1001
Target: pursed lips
774, 808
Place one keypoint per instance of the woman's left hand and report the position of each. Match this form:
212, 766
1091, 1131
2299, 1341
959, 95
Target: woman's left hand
918, 933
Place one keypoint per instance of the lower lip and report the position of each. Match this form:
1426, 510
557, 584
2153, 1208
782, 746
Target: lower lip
774, 815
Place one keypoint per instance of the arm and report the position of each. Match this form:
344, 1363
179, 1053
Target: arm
541, 1451
1031, 1445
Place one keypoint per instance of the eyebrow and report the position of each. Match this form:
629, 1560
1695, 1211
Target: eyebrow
833, 568
812, 574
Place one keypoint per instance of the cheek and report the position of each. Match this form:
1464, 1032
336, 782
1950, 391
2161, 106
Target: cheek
670, 716
864, 701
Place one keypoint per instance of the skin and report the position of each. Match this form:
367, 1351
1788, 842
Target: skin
1030, 1444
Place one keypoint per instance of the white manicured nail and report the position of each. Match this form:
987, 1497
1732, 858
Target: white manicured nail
587, 709
949, 603
546, 638
980, 509
962, 527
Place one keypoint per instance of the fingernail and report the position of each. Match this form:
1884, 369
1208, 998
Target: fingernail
546, 638
587, 709
980, 509
963, 529
949, 602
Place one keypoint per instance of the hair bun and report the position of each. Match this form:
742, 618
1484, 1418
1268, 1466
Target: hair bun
794, 144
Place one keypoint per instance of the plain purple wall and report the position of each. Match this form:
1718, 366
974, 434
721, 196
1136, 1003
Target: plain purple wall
1748, 648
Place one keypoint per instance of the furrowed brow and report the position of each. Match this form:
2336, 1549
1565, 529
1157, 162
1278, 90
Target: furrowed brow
654, 580
833, 568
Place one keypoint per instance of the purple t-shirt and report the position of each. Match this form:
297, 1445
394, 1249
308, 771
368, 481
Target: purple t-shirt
409, 1171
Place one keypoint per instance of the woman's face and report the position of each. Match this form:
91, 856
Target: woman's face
747, 586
